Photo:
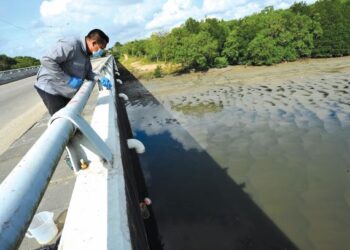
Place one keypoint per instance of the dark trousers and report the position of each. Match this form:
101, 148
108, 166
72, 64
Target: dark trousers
52, 102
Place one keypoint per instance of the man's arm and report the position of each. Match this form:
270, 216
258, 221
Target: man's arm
92, 76
103, 81
63, 51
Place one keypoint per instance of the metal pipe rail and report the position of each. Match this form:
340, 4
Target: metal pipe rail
11, 71
17, 74
98, 216
23, 189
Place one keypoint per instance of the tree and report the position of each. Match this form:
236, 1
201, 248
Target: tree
263, 50
231, 48
25, 61
217, 29
117, 50
155, 45
301, 8
135, 48
197, 51
334, 18
192, 25
6, 62
292, 36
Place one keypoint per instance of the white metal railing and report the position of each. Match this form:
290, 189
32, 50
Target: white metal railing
12, 71
97, 215
16, 74
99, 189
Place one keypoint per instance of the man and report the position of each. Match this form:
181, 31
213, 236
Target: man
66, 65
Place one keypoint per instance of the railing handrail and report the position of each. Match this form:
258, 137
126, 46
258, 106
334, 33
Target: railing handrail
23, 189
19, 69
97, 216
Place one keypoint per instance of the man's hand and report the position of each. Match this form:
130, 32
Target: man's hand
75, 82
105, 82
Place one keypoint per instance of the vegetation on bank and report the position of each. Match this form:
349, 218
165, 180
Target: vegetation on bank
272, 36
144, 68
7, 63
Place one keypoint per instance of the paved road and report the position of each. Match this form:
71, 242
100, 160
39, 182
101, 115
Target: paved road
20, 107
16, 96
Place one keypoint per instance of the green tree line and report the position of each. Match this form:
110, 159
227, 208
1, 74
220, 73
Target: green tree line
272, 36
7, 63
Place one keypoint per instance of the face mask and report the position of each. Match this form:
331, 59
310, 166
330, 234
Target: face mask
98, 53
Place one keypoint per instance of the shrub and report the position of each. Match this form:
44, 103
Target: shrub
158, 72
220, 62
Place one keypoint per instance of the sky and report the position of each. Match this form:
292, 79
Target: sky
31, 27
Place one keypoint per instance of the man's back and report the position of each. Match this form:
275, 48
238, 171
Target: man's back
66, 59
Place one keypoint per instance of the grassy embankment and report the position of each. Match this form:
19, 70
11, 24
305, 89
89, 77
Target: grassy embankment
143, 68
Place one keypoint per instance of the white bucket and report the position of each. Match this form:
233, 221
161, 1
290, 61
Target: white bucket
42, 228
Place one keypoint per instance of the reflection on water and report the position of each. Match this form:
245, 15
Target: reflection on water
287, 146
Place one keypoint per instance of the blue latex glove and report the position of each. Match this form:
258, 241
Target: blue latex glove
75, 82
105, 82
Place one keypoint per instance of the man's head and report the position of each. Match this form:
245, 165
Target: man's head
96, 40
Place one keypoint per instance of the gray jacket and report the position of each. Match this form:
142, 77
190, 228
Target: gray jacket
67, 58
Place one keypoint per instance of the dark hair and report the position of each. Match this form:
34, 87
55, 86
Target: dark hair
99, 35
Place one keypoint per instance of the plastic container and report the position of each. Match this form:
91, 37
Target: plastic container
42, 228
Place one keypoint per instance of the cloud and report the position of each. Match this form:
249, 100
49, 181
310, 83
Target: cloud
125, 20
53, 8
173, 13
121, 20
77, 12
137, 13
220, 6
278, 4
242, 11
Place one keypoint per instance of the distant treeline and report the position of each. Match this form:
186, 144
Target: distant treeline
7, 63
272, 36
